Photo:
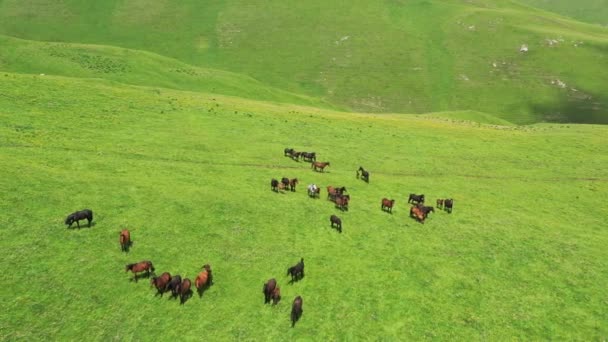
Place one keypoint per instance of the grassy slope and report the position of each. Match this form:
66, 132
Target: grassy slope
591, 11
392, 56
522, 257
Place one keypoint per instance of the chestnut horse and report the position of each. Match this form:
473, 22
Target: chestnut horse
387, 205
342, 202
125, 240
319, 165
161, 283
203, 280
296, 310
268, 289
333, 192
417, 213
184, 290
141, 266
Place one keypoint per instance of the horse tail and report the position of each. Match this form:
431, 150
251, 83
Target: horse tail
90, 215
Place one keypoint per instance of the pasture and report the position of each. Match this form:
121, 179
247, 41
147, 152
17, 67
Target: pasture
522, 256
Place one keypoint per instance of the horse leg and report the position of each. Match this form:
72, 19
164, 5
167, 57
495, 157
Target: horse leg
78, 223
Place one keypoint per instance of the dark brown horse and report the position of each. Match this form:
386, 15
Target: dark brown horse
203, 280
416, 198
425, 210
184, 290
173, 285
125, 240
274, 185
295, 155
296, 271
448, 204
439, 203
342, 202
276, 295
309, 156
160, 283
79, 215
319, 165
417, 213
268, 289
364, 174
387, 205
141, 266
335, 220
292, 184
296, 310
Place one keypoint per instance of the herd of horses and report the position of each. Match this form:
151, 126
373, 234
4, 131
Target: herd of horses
272, 291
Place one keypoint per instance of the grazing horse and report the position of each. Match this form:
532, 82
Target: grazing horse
160, 283
333, 192
425, 210
292, 184
285, 182
79, 215
335, 220
174, 285
319, 165
309, 156
314, 190
364, 174
448, 205
295, 155
288, 151
184, 290
274, 185
141, 266
125, 240
296, 310
417, 213
342, 202
440, 203
268, 289
417, 198
387, 205
203, 280
276, 295
296, 271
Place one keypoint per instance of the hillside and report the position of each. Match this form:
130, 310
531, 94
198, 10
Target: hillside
393, 56
590, 11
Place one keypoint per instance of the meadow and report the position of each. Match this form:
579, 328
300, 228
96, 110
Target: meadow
522, 256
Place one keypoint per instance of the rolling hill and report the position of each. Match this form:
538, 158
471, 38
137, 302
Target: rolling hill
392, 56
590, 11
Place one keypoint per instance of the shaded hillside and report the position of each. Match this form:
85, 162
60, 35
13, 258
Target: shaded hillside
391, 56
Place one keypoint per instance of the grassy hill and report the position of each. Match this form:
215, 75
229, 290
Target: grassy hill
391, 56
591, 11
521, 257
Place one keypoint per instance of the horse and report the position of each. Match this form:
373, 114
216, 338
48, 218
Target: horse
268, 289
319, 165
125, 240
79, 215
285, 181
184, 290
274, 185
288, 151
173, 285
296, 310
160, 283
440, 203
387, 205
417, 198
295, 155
276, 295
296, 271
425, 210
417, 213
313, 190
335, 220
292, 184
342, 202
141, 266
333, 192
448, 205
364, 174
203, 280
309, 156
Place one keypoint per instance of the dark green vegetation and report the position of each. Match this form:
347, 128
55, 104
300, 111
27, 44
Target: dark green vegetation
380, 56
522, 256
169, 118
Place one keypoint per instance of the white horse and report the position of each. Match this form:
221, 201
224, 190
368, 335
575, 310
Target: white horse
313, 190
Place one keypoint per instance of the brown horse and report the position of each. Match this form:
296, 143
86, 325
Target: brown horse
296, 310
173, 285
203, 280
161, 283
141, 266
425, 210
417, 213
292, 184
335, 220
319, 165
333, 192
295, 155
184, 290
448, 204
387, 205
276, 295
342, 202
125, 240
268, 289
440, 203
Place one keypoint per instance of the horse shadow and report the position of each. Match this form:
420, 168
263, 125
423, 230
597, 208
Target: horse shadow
202, 290
127, 247
143, 275
84, 225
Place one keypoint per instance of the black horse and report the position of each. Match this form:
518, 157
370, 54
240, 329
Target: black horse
425, 210
417, 198
335, 220
288, 151
274, 185
285, 182
447, 205
79, 215
173, 285
296, 310
364, 174
309, 156
297, 271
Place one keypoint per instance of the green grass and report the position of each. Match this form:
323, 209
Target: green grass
414, 56
521, 257
591, 11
